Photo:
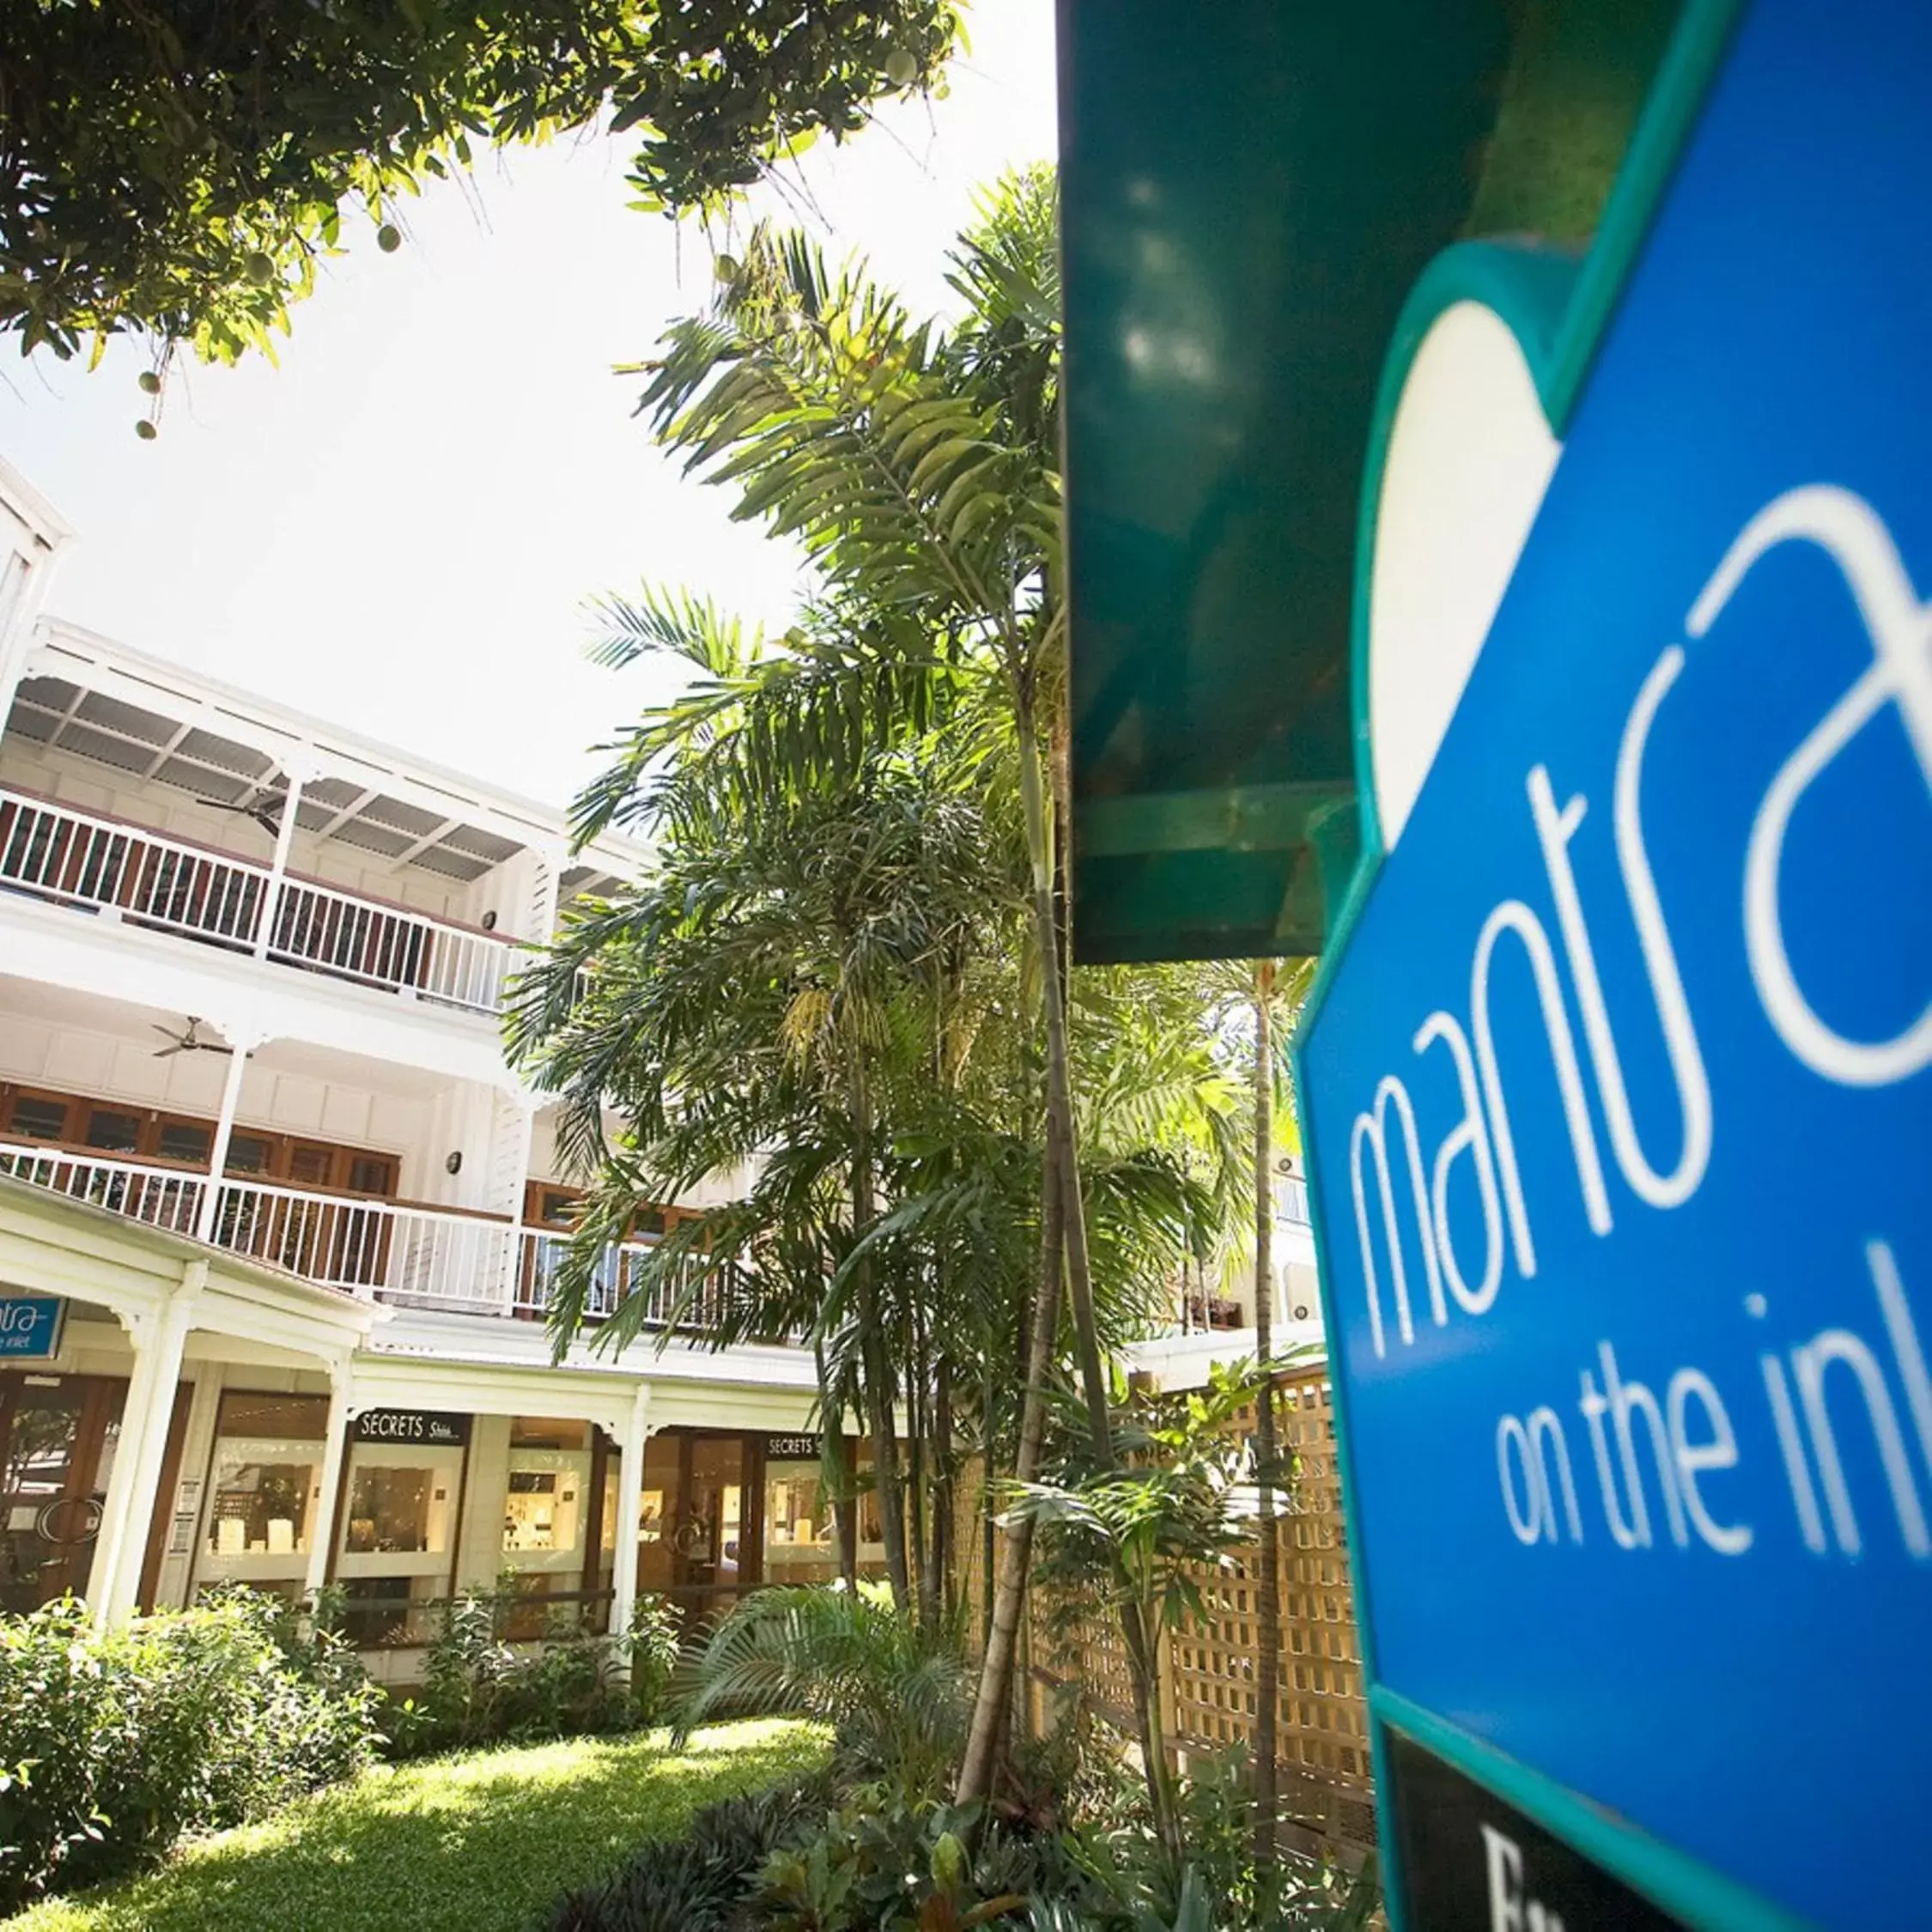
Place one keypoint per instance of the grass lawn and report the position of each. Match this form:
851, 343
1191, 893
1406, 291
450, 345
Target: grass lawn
480, 1842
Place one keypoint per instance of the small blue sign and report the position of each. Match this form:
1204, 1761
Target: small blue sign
30, 1327
1618, 1087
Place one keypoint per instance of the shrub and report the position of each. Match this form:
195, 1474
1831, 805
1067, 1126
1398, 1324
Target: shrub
479, 1686
879, 1865
896, 1689
704, 1881
112, 1744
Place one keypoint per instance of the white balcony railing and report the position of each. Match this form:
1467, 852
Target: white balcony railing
417, 1256
163, 1197
617, 1279
423, 1255
54, 852
1290, 1199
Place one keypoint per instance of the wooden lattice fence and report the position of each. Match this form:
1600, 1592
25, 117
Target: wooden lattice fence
1208, 1674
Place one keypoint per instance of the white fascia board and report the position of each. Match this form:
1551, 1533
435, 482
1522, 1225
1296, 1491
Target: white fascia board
712, 1406
40, 517
84, 657
54, 1244
1186, 1361
385, 1379
114, 960
275, 1318
486, 1342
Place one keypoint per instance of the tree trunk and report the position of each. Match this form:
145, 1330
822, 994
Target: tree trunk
1015, 1538
1267, 1601
945, 1488
1060, 1137
874, 1354
989, 1531
1136, 1628
918, 1408
835, 1471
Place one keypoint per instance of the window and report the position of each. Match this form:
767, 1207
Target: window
371, 1174
187, 1141
540, 1432
36, 1118
378, 1614
546, 1498
310, 1167
249, 1153
397, 1537
801, 1539
268, 1456
113, 1133
399, 1508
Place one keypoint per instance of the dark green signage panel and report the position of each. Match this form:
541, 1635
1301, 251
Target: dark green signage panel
1250, 190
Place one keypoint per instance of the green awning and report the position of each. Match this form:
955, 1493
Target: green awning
1250, 189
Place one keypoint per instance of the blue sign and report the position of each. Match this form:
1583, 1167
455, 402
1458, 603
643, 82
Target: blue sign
30, 1327
1617, 1089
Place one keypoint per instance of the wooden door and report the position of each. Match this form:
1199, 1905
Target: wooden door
716, 1542
58, 1436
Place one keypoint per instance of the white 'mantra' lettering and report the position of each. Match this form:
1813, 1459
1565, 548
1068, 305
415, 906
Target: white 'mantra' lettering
1850, 532
1513, 917
1554, 831
1372, 1129
1470, 1135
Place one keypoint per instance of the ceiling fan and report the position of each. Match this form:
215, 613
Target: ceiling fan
187, 1043
264, 807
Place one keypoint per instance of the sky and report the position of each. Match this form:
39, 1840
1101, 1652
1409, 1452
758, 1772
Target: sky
398, 528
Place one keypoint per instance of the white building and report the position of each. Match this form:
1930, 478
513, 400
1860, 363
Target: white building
1215, 1312
258, 1140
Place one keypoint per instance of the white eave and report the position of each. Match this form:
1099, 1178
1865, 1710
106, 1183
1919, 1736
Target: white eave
42, 517
52, 1243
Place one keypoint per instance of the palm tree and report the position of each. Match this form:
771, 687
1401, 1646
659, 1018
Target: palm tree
741, 1004
919, 472
1271, 998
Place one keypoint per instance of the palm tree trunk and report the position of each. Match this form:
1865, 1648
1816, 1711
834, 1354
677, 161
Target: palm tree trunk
945, 1495
1060, 1136
874, 1355
1136, 1628
1267, 1603
1015, 1537
918, 1405
835, 1474
989, 1531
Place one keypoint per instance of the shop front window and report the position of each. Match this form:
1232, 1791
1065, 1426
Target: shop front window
268, 1458
398, 1509
548, 1493
398, 1537
801, 1539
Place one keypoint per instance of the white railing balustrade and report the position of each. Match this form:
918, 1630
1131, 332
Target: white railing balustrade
55, 852
618, 1277
424, 1257
67, 854
163, 1197
369, 1246
335, 932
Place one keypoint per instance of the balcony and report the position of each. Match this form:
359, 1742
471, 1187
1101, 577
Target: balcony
115, 870
384, 1250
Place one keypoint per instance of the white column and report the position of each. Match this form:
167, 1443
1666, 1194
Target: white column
129, 1510
513, 1123
243, 1043
322, 1532
630, 1501
552, 859
297, 775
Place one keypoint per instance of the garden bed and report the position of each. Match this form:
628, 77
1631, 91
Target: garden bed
482, 1842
